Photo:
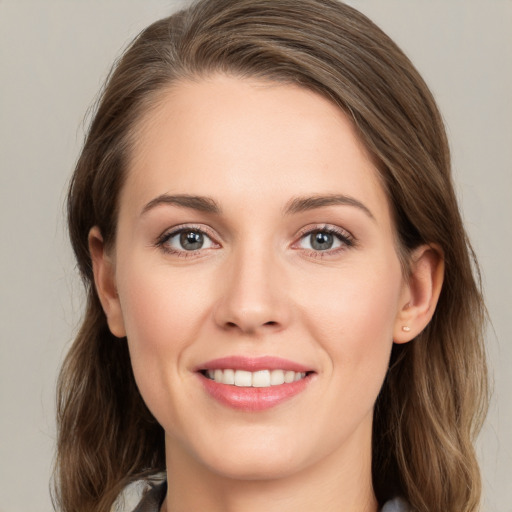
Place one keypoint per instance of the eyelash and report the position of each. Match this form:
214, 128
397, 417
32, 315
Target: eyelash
168, 235
343, 236
347, 240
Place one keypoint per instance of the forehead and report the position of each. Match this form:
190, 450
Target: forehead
231, 136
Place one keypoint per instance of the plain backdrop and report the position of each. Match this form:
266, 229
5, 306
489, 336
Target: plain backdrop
54, 56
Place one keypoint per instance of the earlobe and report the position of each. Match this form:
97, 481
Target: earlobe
421, 292
105, 282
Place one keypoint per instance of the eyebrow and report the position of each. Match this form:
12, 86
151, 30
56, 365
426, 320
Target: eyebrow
296, 205
302, 204
200, 203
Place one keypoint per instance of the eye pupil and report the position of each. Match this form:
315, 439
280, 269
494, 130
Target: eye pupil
191, 240
321, 241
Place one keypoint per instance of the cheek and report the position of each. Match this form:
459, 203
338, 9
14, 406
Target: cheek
162, 316
148, 312
161, 309
352, 314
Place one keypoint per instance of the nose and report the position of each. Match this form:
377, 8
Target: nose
253, 295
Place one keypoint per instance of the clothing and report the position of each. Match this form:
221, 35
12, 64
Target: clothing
396, 505
153, 499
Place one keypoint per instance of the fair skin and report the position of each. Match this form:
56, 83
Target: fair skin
237, 272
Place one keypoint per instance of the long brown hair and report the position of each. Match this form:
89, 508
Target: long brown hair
435, 393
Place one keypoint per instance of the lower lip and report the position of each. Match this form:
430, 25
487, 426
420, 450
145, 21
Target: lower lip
253, 399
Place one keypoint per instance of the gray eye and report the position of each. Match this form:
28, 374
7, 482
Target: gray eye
189, 240
320, 241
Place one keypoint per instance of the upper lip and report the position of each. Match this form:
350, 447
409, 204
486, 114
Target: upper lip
253, 364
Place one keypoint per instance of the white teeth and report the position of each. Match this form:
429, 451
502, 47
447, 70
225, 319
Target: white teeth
276, 377
228, 377
259, 379
243, 379
289, 376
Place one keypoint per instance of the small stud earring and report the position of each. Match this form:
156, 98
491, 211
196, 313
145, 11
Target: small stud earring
406, 328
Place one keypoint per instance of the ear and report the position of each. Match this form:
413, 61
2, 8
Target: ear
420, 293
105, 281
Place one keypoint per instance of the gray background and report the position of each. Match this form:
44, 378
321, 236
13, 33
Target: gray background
53, 57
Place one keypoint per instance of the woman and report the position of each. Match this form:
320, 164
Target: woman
282, 312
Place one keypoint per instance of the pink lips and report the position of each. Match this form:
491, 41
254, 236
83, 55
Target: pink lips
252, 398
253, 364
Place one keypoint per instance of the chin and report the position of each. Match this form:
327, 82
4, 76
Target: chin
261, 459
255, 468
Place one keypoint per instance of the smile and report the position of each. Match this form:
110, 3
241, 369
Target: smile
257, 379
254, 384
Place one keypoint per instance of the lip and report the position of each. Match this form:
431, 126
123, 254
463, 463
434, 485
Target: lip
251, 399
253, 364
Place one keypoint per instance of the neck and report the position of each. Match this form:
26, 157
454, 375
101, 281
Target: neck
325, 486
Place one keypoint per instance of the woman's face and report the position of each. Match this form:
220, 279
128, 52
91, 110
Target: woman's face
255, 245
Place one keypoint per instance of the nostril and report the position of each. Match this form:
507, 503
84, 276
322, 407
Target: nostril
235, 325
